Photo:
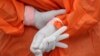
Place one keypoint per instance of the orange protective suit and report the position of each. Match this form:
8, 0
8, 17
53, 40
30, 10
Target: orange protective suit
82, 18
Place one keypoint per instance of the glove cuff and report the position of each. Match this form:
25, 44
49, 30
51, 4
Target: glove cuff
29, 16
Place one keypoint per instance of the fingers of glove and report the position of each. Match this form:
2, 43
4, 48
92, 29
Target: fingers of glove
62, 37
43, 45
54, 45
60, 31
38, 53
51, 46
51, 39
37, 40
53, 13
61, 45
54, 36
58, 12
35, 51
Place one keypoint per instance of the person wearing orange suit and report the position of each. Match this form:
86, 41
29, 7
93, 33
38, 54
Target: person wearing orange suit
15, 11
82, 19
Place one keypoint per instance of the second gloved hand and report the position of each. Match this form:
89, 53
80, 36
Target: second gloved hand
32, 17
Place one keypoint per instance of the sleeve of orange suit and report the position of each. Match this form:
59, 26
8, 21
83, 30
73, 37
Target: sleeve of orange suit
11, 16
83, 16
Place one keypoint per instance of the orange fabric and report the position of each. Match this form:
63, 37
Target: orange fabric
82, 18
58, 24
11, 16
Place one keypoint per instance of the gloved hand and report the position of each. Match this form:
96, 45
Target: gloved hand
49, 43
32, 17
48, 30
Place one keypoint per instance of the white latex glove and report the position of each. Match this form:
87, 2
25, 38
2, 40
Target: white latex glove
46, 31
32, 17
49, 43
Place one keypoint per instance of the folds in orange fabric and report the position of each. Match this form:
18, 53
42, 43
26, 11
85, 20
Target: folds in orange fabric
11, 17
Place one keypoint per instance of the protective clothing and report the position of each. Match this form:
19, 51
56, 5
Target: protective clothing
33, 17
46, 41
82, 20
